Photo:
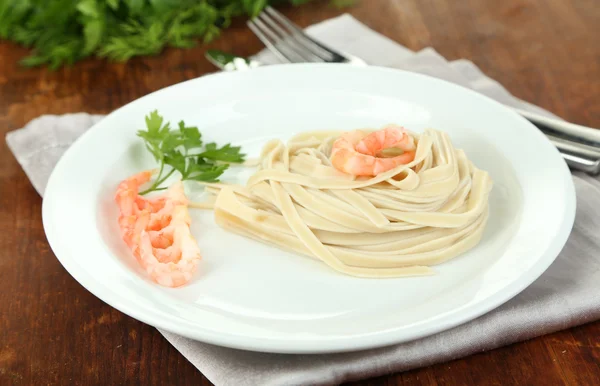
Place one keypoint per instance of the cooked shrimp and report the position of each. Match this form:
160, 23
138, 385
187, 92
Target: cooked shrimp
175, 265
131, 221
364, 155
157, 230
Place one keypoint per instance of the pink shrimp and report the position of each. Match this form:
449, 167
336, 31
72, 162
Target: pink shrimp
157, 230
175, 265
359, 154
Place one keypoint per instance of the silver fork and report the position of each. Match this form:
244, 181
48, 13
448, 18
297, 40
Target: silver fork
579, 145
292, 45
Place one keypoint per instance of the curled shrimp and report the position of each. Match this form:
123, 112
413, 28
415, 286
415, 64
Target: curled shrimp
157, 230
171, 265
362, 154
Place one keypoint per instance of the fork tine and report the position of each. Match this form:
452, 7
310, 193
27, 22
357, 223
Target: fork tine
290, 40
281, 45
267, 42
309, 43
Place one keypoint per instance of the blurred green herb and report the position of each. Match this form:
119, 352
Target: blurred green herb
182, 150
64, 31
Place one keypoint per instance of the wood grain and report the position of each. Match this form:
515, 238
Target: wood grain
53, 331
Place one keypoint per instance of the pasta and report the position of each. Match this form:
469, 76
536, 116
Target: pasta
397, 223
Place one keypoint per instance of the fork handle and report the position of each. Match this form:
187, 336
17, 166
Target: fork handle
581, 163
578, 156
560, 128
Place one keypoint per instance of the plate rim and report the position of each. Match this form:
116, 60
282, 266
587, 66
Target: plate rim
382, 339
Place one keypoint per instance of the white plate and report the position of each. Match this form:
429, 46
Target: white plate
251, 296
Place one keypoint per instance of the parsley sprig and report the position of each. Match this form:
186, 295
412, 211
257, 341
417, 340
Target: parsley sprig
182, 150
61, 32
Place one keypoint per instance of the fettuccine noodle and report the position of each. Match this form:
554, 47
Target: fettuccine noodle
397, 223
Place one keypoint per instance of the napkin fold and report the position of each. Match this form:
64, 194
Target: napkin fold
565, 295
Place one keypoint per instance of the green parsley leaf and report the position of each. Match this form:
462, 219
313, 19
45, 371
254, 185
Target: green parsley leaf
211, 175
177, 161
191, 136
181, 150
61, 32
156, 135
227, 153
201, 170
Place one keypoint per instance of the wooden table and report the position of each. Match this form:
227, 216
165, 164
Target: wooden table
53, 331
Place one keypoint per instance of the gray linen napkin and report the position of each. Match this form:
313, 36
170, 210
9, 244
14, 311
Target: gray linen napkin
564, 296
